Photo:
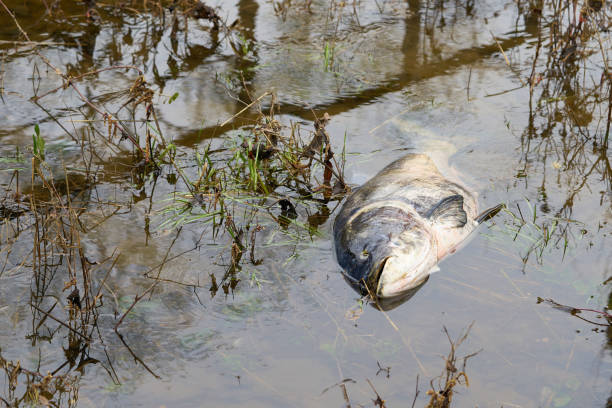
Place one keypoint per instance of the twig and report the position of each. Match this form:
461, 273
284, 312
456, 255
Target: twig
138, 359
506, 58
245, 108
107, 115
345, 395
379, 402
374, 129
107, 273
59, 321
69, 82
605, 142
97, 71
22, 31
468, 84
416, 392
46, 315
406, 342
574, 310
35, 43
137, 298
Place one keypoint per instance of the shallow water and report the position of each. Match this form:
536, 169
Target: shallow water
406, 76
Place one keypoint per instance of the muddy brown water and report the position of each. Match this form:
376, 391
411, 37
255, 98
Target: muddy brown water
405, 76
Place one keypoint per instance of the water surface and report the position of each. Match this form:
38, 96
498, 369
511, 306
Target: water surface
404, 77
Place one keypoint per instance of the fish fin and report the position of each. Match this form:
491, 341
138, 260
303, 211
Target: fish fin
489, 213
435, 269
449, 212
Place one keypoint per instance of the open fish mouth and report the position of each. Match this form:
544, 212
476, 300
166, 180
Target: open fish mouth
389, 303
373, 279
401, 276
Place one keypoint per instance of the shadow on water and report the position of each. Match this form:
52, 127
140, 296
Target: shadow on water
386, 304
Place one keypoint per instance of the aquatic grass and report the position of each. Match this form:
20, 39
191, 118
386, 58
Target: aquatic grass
535, 233
61, 276
246, 188
239, 188
328, 56
17, 158
454, 374
36, 388
38, 144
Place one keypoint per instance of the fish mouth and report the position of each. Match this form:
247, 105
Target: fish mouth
389, 303
391, 288
373, 279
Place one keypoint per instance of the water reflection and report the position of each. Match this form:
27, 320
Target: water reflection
390, 303
379, 57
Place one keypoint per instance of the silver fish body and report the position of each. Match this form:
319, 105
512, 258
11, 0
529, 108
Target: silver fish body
391, 233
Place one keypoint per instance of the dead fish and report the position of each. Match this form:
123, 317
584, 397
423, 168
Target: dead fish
391, 233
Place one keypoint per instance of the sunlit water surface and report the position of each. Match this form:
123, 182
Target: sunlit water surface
402, 80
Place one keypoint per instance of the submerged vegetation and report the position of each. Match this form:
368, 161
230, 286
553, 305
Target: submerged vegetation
253, 180
96, 90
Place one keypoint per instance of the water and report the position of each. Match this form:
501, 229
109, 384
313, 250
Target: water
405, 76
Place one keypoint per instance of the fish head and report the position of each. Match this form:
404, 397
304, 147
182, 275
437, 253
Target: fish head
386, 250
